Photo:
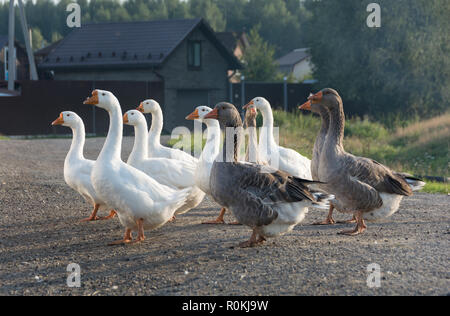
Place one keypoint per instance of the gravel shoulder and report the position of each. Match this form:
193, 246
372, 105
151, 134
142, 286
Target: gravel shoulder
40, 234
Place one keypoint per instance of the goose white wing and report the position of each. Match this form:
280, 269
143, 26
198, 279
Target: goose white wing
169, 172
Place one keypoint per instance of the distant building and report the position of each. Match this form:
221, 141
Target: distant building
297, 63
237, 43
22, 65
185, 55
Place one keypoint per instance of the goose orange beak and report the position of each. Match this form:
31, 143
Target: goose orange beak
248, 105
141, 108
59, 120
213, 115
125, 118
312, 99
93, 100
306, 106
193, 116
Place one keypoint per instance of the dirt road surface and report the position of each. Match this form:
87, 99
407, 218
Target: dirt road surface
41, 234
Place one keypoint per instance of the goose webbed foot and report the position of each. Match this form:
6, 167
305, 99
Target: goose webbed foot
360, 226
253, 241
111, 215
235, 224
219, 220
93, 216
90, 219
127, 239
328, 221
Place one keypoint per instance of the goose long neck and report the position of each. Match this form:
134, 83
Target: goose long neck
140, 148
336, 128
267, 130
156, 129
252, 149
78, 140
113, 145
324, 128
232, 144
212, 146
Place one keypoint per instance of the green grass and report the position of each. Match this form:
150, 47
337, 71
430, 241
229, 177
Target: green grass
436, 188
416, 147
420, 148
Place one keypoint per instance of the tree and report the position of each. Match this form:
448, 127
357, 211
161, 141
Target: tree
37, 39
209, 10
259, 59
402, 67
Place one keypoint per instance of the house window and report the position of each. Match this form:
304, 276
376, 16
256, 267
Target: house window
194, 54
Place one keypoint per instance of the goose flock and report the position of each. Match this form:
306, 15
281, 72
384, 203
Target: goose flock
270, 189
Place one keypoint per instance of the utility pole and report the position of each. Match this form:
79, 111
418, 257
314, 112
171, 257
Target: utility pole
26, 36
11, 48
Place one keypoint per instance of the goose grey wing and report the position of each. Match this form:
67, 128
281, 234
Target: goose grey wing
376, 175
261, 191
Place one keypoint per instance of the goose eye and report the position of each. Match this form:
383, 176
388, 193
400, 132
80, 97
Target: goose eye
103, 94
68, 115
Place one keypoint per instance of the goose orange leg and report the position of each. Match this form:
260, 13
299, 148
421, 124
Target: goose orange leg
111, 215
93, 216
141, 236
252, 242
360, 226
329, 220
255, 240
219, 220
126, 239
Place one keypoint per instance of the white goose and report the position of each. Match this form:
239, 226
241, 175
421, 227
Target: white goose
139, 200
289, 160
177, 174
77, 169
155, 149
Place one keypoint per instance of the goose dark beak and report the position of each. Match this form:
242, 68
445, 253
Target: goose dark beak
213, 115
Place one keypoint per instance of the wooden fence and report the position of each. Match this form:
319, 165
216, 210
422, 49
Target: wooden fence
40, 102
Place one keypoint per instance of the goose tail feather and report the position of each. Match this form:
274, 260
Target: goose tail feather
322, 199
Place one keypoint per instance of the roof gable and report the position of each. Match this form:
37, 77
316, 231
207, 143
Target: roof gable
129, 44
294, 57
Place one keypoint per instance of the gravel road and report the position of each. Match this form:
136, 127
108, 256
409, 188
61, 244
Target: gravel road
40, 234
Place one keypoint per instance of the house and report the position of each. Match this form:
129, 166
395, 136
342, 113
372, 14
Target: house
22, 65
237, 43
185, 55
296, 64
